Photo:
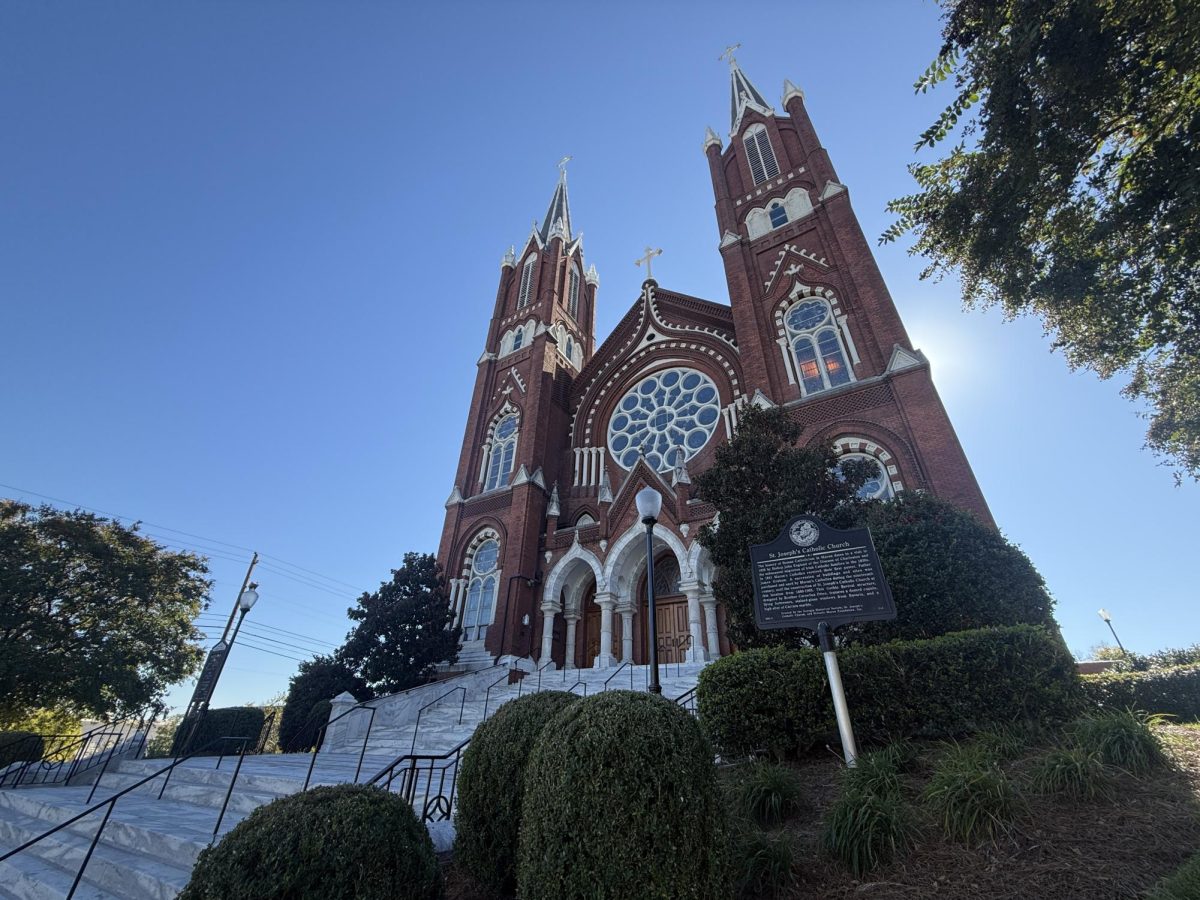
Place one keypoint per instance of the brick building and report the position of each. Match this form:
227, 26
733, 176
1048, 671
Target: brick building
542, 547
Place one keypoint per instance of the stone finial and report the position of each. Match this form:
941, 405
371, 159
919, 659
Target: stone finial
592, 277
510, 258
711, 139
606, 495
552, 507
455, 497
790, 90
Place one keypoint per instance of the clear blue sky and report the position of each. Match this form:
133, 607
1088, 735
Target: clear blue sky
248, 252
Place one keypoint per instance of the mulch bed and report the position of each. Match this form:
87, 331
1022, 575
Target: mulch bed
1056, 850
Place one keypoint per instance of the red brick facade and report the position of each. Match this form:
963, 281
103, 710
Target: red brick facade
793, 251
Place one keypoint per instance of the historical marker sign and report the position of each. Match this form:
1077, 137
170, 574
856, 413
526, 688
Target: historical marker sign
210, 673
813, 573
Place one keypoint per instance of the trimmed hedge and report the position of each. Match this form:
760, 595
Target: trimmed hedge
491, 786
20, 746
343, 841
230, 721
1174, 691
622, 800
778, 700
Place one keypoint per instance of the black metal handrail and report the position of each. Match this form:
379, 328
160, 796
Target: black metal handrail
410, 766
487, 695
421, 711
577, 684
688, 701
325, 730
540, 670
75, 750
618, 672
111, 803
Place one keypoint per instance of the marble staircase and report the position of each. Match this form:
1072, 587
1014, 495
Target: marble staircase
150, 844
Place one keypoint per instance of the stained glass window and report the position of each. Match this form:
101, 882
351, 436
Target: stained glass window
669, 416
481, 593
817, 346
502, 453
878, 486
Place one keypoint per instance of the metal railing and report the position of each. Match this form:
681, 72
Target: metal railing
618, 672
55, 758
325, 730
421, 711
109, 804
487, 696
428, 769
540, 670
577, 684
688, 701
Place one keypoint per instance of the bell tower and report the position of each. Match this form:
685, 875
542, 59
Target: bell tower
817, 329
541, 334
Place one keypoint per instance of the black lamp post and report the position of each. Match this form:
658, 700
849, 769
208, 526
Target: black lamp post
1107, 617
649, 505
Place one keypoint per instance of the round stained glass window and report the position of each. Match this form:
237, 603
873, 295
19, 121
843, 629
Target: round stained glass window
485, 557
877, 486
669, 415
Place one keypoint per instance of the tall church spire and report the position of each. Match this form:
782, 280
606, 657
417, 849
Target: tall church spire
742, 94
559, 210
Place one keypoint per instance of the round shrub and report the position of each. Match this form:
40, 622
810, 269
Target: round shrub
491, 784
346, 841
621, 800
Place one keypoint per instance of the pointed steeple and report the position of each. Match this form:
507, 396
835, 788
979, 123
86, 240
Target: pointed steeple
742, 94
558, 214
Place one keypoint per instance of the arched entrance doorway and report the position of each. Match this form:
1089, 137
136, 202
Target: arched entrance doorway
670, 611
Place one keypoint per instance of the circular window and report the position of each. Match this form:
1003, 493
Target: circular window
669, 415
506, 427
485, 557
877, 486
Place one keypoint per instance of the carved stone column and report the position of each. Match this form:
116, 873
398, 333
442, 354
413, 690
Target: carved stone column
606, 602
696, 651
626, 611
548, 612
709, 603
569, 658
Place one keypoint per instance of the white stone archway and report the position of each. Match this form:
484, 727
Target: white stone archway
563, 593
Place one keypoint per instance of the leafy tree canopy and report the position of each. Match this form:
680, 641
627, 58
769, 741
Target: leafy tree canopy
947, 571
320, 678
1073, 192
403, 628
95, 619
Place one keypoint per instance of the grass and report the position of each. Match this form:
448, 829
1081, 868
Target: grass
875, 773
971, 798
762, 863
1123, 739
863, 830
1071, 772
768, 794
1182, 884
1005, 742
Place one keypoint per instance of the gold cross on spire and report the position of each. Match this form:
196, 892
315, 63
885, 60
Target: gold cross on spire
728, 54
650, 254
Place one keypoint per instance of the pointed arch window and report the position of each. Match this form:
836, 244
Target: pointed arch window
526, 281
571, 349
778, 214
759, 154
481, 590
501, 453
816, 346
573, 293
518, 338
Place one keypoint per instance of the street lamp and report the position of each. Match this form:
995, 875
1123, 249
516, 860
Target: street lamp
1107, 617
246, 601
649, 505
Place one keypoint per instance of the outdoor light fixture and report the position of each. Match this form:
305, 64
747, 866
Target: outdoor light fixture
1107, 617
248, 598
649, 505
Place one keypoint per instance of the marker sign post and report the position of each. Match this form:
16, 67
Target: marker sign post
817, 577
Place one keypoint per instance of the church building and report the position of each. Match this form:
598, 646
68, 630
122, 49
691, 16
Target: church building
542, 547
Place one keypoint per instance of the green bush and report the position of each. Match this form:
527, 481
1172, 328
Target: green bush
972, 799
346, 841
762, 864
163, 739
863, 829
491, 785
317, 681
767, 794
231, 721
1182, 884
778, 699
1072, 772
20, 746
621, 800
1123, 739
1173, 691
874, 773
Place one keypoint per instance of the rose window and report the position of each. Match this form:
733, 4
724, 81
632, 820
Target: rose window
669, 416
